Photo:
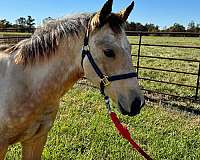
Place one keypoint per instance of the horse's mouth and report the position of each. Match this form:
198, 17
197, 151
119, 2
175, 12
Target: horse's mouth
132, 113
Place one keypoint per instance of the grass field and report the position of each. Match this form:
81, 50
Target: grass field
14, 33
84, 131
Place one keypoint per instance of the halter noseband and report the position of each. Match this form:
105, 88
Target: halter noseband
105, 80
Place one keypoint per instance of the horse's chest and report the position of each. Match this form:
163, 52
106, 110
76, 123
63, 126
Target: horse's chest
39, 126
26, 126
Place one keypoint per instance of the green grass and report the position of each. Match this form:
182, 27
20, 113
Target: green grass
83, 130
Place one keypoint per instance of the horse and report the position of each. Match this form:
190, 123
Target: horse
36, 72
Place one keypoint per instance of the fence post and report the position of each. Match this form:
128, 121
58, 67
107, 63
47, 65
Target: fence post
197, 89
139, 52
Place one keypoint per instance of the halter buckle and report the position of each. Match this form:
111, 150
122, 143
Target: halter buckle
105, 81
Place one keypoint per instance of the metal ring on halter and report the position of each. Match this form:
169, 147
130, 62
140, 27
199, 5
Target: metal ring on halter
105, 81
86, 48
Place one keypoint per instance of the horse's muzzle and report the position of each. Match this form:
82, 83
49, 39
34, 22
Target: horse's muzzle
135, 107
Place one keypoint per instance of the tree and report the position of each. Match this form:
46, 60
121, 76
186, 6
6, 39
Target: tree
21, 24
136, 27
131, 26
191, 27
140, 27
45, 20
151, 27
30, 24
198, 28
176, 28
21, 21
25, 24
5, 24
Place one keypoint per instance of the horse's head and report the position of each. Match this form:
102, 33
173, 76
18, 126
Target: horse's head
111, 51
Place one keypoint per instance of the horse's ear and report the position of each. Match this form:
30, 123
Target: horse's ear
126, 12
105, 11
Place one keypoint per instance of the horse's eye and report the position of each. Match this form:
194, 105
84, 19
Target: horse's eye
109, 53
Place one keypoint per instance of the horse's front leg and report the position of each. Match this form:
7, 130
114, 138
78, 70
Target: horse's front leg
3, 151
33, 147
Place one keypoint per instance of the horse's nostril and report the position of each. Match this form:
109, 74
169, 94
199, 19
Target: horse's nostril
136, 105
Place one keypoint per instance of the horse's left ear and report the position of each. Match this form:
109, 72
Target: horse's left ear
126, 12
101, 16
105, 11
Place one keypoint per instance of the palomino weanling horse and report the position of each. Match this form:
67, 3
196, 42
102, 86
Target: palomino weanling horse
37, 72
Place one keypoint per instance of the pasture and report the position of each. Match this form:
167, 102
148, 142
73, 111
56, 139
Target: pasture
14, 34
12, 37
83, 129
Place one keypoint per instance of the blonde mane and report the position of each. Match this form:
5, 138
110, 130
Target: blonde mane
44, 42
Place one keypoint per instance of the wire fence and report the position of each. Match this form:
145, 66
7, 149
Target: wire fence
12, 39
195, 98
18, 29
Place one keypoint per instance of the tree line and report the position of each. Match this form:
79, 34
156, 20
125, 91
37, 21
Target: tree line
21, 24
176, 27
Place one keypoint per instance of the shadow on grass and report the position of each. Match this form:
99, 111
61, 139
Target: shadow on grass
176, 104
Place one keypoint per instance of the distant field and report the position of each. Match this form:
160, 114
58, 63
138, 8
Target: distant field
8, 37
14, 33
84, 131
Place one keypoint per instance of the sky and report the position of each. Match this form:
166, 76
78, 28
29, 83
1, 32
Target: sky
160, 12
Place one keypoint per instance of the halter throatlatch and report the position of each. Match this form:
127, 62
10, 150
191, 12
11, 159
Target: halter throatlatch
105, 81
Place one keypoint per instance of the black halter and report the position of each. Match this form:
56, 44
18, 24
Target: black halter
105, 80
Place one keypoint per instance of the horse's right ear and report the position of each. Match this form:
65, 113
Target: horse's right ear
105, 11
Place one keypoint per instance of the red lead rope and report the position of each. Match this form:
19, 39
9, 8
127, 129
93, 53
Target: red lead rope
125, 133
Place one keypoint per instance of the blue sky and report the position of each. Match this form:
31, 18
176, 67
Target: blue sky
161, 12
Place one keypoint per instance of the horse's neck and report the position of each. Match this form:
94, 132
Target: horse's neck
59, 74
